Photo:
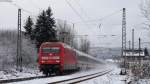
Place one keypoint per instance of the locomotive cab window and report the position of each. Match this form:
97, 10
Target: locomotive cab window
51, 50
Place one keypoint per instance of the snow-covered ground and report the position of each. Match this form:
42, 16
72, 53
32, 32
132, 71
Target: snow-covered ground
58, 78
111, 78
143, 81
13, 74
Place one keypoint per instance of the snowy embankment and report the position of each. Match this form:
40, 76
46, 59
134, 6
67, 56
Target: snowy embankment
13, 74
8, 56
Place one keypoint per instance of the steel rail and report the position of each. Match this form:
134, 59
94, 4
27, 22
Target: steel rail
81, 78
76, 78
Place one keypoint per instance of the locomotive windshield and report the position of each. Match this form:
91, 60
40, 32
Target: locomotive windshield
51, 50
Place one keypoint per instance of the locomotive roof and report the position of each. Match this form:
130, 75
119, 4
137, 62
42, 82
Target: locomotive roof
61, 43
45, 43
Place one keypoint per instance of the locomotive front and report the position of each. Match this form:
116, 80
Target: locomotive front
50, 55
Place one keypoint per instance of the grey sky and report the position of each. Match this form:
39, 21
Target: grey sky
89, 10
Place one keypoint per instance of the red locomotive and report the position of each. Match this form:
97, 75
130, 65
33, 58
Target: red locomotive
57, 57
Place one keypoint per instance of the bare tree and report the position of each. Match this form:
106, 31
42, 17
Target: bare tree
145, 10
85, 45
8, 51
66, 33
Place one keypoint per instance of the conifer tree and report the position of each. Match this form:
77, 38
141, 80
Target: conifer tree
44, 29
28, 26
51, 23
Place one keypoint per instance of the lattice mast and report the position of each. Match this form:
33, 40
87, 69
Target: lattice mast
124, 35
19, 46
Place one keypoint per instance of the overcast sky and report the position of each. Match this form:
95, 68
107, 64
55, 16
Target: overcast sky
109, 10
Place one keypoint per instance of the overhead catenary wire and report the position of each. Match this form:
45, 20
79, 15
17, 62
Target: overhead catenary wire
88, 21
76, 12
103, 18
85, 22
82, 9
26, 11
14, 4
35, 5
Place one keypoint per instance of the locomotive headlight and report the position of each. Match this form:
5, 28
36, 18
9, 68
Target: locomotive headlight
44, 58
56, 57
57, 61
51, 57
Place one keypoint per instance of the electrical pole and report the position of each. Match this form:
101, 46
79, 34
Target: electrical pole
124, 36
129, 45
139, 45
132, 42
73, 36
19, 47
64, 33
99, 26
139, 50
140, 58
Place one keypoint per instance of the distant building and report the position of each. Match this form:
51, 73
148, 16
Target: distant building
132, 57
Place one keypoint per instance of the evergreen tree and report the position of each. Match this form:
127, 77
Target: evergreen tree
44, 29
28, 26
51, 23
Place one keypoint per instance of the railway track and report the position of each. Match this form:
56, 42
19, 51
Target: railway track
67, 81
25, 79
81, 78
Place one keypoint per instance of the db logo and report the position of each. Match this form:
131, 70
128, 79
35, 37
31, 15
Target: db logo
50, 54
